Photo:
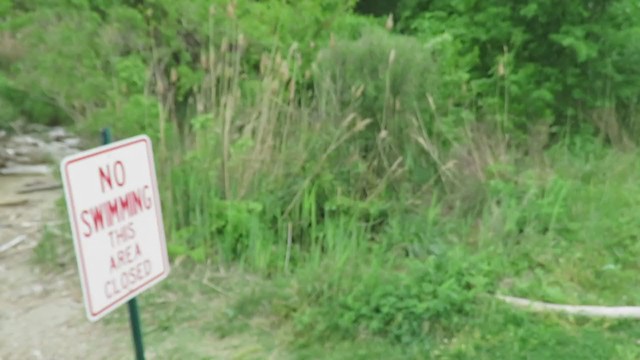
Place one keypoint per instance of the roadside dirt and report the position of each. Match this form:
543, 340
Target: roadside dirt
41, 312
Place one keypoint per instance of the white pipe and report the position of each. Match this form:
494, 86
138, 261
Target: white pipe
628, 312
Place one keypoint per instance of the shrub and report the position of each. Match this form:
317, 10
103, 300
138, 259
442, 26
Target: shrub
548, 61
407, 302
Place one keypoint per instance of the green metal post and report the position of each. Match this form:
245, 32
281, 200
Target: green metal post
135, 328
106, 136
134, 316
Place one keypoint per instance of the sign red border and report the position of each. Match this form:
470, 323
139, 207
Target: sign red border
131, 293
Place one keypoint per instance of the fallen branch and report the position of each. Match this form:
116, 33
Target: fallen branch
12, 243
615, 312
14, 202
44, 187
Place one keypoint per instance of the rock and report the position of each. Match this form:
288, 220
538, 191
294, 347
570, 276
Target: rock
27, 153
18, 169
58, 134
57, 151
32, 156
72, 142
41, 154
3, 134
26, 140
31, 159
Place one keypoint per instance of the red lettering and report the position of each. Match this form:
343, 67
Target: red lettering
117, 210
113, 264
137, 201
120, 180
105, 177
128, 278
138, 252
124, 204
86, 222
98, 221
114, 211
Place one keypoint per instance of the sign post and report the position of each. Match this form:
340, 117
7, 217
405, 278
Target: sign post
116, 221
135, 328
134, 317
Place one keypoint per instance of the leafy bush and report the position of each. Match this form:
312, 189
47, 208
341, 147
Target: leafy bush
414, 303
409, 306
548, 60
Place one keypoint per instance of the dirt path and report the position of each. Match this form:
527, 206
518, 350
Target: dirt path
41, 312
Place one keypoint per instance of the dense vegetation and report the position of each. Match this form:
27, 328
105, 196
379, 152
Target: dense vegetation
383, 166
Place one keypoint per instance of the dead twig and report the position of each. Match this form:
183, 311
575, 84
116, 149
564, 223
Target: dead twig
289, 242
12, 243
615, 312
14, 202
44, 187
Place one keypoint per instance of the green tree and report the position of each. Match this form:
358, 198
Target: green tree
555, 60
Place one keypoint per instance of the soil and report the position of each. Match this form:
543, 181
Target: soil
41, 311
42, 315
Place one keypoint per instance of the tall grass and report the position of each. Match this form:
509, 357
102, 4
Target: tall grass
347, 195
371, 174
267, 176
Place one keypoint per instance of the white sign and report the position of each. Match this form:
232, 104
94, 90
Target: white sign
116, 221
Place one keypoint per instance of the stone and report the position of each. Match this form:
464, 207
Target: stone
26, 140
31, 155
57, 151
19, 169
58, 134
28, 153
72, 142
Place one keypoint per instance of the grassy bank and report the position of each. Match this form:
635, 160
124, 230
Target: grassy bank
364, 194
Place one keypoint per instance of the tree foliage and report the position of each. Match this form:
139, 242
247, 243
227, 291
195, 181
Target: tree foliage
553, 60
